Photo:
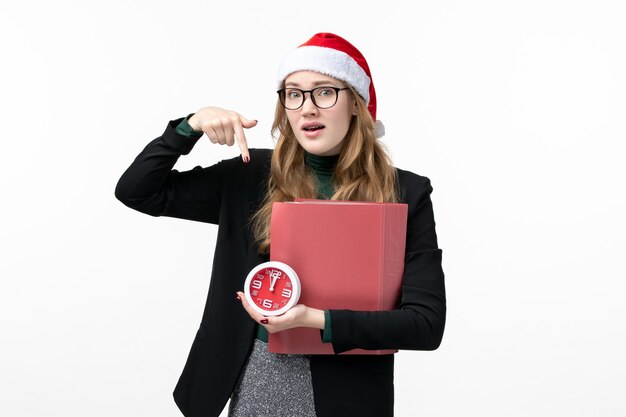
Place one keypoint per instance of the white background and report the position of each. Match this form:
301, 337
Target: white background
514, 110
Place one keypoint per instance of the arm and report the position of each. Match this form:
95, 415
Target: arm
419, 321
151, 186
298, 316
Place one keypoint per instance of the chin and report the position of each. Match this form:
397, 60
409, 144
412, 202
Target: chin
319, 149
321, 152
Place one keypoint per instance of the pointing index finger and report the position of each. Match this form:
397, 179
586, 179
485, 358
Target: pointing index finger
242, 142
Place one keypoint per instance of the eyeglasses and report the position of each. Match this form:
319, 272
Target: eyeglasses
322, 97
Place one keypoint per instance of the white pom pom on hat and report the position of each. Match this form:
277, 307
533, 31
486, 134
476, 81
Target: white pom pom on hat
334, 56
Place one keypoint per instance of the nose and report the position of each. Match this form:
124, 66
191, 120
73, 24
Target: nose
308, 106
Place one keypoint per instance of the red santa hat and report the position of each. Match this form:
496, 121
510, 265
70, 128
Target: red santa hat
334, 56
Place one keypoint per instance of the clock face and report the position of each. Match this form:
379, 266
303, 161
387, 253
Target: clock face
272, 288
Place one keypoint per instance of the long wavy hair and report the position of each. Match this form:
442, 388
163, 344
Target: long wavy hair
364, 170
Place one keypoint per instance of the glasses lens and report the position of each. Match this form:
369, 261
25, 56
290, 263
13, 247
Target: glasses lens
324, 97
292, 98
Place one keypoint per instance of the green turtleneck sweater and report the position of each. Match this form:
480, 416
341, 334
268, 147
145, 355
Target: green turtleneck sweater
323, 167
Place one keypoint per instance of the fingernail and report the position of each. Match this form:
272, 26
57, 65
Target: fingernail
239, 298
256, 120
265, 321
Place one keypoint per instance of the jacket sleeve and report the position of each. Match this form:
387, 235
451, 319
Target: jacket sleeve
151, 186
419, 320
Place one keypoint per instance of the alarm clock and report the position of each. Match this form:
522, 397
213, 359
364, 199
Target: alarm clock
272, 288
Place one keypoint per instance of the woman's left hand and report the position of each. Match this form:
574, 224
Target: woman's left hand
297, 316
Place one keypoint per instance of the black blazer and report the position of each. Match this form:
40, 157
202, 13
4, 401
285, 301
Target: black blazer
227, 194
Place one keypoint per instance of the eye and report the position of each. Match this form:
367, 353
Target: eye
293, 94
325, 92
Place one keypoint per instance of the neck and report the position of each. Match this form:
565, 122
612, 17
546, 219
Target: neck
321, 164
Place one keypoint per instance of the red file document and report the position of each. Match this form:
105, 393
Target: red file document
348, 255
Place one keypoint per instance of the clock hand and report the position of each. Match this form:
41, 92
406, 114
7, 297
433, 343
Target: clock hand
274, 278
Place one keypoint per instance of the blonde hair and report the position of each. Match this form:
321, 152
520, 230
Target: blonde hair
364, 171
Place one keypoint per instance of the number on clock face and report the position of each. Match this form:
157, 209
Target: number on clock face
272, 288
271, 298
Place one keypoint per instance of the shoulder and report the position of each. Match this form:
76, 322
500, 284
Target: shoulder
260, 162
260, 154
239, 175
412, 186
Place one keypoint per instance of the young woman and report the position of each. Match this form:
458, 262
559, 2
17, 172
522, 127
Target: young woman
326, 147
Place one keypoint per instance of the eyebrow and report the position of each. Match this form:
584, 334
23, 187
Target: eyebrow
315, 83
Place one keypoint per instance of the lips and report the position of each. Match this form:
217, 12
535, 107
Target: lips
312, 126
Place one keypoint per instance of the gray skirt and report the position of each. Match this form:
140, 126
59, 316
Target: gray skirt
273, 384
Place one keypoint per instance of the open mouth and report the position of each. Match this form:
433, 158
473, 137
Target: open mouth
312, 127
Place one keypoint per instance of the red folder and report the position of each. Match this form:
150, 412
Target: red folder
348, 255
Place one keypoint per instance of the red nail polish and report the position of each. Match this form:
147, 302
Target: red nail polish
265, 321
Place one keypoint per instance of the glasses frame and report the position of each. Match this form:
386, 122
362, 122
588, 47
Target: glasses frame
311, 95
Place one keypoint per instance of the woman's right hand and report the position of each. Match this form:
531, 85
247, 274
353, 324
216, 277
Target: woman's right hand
221, 126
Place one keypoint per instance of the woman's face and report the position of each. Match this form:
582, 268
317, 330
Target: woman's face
320, 131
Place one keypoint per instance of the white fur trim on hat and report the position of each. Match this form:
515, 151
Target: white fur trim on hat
379, 129
327, 61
